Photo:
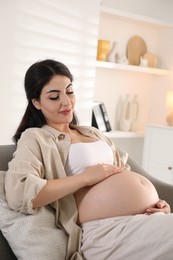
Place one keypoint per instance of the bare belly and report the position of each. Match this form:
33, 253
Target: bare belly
126, 193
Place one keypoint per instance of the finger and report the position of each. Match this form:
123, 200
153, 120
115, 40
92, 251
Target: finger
155, 210
161, 204
148, 212
152, 211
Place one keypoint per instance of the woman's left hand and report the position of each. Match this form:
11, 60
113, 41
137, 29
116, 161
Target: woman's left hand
161, 206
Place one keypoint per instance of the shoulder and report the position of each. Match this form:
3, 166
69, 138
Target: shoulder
33, 138
33, 143
34, 133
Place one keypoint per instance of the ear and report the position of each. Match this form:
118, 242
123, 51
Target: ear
36, 103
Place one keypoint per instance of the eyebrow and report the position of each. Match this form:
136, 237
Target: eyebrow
55, 90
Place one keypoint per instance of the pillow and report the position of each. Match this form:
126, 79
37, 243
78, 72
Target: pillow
31, 236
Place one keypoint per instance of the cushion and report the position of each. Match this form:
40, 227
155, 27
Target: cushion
31, 236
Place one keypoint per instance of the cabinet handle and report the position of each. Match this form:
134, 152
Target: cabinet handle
169, 168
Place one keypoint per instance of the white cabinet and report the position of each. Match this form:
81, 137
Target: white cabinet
158, 152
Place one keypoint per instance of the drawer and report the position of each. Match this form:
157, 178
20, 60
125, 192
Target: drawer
161, 146
158, 153
161, 171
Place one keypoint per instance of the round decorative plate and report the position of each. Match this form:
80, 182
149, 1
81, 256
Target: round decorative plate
136, 47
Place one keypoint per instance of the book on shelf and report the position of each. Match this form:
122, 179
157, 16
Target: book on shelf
100, 117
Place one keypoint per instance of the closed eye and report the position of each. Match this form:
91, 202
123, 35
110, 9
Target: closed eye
54, 98
70, 92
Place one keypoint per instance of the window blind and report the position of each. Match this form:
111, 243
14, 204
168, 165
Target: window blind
63, 30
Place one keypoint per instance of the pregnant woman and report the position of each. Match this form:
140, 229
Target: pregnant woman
106, 210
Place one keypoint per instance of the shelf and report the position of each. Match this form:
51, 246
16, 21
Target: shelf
164, 126
120, 15
125, 67
122, 134
107, 11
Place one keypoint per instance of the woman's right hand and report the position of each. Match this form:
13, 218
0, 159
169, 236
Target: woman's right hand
99, 172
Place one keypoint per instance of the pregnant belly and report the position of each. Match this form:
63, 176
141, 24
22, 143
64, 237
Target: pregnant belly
126, 193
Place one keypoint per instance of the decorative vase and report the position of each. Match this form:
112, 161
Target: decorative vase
111, 57
103, 49
143, 62
126, 114
123, 59
135, 113
118, 112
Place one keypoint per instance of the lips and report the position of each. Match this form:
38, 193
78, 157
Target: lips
65, 112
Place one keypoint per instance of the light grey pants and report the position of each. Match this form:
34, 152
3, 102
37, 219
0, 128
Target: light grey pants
136, 237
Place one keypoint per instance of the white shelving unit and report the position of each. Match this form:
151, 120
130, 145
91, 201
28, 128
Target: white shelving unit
119, 26
115, 80
116, 14
124, 67
122, 134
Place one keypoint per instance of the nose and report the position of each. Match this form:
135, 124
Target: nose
65, 100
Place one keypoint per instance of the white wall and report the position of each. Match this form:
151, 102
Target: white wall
7, 60
157, 9
37, 29
162, 85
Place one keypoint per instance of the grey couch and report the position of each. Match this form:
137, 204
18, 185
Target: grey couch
6, 151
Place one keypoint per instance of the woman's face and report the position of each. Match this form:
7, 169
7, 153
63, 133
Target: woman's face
57, 101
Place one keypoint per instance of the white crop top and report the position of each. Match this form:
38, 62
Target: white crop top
82, 155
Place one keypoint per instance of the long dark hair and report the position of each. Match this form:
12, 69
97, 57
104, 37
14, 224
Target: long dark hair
36, 77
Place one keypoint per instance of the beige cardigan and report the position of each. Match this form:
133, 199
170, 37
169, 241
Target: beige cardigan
40, 156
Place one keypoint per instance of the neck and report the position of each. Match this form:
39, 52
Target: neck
61, 127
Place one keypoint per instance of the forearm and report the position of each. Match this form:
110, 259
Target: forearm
57, 189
